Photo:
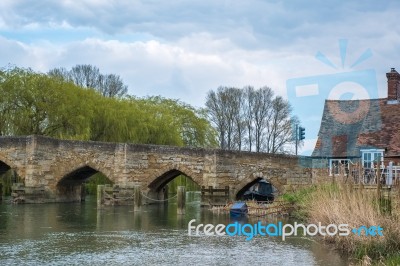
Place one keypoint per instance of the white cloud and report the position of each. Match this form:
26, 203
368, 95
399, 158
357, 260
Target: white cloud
182, 49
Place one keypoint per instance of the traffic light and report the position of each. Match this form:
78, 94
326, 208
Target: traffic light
302, 133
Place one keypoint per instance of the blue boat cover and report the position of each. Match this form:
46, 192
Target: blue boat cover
239, 206
238, 209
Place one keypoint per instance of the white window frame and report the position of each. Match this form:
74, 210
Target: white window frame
332, 163
367, 162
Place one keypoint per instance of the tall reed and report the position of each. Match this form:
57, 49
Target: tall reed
341, 204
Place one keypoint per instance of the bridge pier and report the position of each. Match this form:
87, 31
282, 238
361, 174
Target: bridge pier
157, 197
23, 194
69, 193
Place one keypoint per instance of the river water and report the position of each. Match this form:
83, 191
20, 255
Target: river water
81, 234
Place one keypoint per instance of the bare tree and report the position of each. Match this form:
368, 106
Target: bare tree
248, 105
225, 109
247, 118
238, 115
112, 85
88, 76
60, 73
215, 110
262, 114
279, 126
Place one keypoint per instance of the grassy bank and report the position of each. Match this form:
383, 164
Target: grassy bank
340, 204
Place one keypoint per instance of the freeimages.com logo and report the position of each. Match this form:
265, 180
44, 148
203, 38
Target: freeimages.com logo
279, 230
307, 95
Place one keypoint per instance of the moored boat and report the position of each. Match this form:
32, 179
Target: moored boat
238, 209
260, 191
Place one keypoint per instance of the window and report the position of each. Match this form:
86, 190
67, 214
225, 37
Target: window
336, 164
371, 157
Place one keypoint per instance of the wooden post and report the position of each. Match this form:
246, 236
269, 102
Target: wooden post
83, 193
165, 194
379, 185
389, 181
137, 198
181, 200
100, 195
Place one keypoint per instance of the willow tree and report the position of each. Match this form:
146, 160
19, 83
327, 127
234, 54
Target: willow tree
180, 122
42, 104
55, 106
35, 103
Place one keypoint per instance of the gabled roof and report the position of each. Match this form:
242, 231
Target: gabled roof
348, 126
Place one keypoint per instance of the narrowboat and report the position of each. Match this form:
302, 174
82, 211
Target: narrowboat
260, 191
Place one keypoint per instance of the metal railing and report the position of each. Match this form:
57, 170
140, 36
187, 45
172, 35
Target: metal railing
371, 176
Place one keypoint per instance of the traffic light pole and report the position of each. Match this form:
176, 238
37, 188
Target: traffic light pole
300, 135
297, 136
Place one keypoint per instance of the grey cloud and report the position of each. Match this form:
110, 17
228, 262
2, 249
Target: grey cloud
256, 42
270, 23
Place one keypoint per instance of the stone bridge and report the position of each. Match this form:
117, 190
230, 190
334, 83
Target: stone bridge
58, 168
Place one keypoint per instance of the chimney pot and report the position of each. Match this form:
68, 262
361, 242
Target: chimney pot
393, 78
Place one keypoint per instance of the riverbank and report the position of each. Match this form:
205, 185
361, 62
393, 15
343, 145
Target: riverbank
341, 204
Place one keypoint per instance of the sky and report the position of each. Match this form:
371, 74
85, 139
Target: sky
182, 49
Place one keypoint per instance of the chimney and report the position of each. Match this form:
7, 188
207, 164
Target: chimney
393, 78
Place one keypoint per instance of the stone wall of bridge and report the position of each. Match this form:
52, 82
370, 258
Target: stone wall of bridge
59, 167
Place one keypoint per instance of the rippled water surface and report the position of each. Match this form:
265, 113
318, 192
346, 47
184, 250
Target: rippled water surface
81, 234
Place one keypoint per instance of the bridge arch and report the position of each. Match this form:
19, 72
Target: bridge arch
167, 174
69, 186
246, 183
87, 167
6, 164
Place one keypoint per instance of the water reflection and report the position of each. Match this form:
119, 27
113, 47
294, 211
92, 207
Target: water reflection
71, 234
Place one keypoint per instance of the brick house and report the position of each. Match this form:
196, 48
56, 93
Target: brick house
363, 131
